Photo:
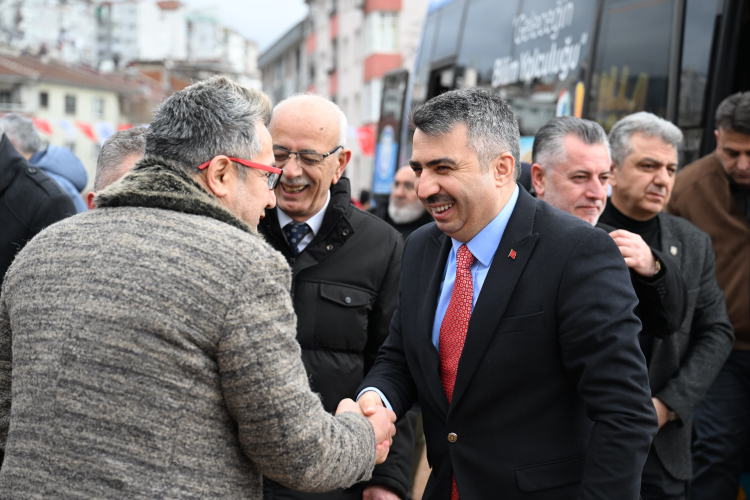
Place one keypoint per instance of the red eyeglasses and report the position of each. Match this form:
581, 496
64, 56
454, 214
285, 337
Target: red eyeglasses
273, 177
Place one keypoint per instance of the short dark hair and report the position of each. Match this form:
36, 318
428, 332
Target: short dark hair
117, 148
491, 124
734, 113
548, 148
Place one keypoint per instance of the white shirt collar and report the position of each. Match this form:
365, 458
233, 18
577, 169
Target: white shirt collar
314, 222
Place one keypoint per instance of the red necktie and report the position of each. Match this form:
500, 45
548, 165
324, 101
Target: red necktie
454, 327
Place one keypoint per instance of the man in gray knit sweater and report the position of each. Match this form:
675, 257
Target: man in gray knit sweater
150, 344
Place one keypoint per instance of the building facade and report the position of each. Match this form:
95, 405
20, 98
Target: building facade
64, 29
74, 106
342, 50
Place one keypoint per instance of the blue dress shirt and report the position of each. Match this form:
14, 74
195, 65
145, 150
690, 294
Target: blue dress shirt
483, 247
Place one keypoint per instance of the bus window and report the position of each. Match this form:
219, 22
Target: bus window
532, 52
422, 72
701, 21
450, 27
631, 67
484, 40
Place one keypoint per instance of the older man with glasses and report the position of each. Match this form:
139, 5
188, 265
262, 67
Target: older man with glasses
345, 274
153, 343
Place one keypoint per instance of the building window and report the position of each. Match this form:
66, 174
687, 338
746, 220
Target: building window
43, 100
71, 145
381, 30
70, 105
97, 107
5, 97
96, 150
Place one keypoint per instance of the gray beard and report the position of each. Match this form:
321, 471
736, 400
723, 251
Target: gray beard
407, 214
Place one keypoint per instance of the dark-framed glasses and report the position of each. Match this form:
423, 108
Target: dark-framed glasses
274, 173
282, 156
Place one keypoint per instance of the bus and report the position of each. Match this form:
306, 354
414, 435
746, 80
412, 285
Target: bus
595, 59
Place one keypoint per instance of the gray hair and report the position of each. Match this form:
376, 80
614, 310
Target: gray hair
21, 132
491, 124
734, 113
209, 118
644, 123
343, 125
117, 148
548, 149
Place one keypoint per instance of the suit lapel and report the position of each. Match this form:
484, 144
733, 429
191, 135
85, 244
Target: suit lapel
497, 290
672, 249
433, 266
670, 245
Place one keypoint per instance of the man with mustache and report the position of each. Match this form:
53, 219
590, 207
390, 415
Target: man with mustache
681, 366
714, 194
345, 271
515, 327
571, 172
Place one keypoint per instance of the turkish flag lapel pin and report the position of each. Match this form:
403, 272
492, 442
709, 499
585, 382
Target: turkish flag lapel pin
512, 254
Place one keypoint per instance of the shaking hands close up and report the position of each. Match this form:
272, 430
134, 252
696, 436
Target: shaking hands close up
381, 418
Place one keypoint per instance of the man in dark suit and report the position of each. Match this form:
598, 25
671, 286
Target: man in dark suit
681, 366
515, 327
571, 172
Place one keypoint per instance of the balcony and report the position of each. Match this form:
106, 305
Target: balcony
384, 5
377, 65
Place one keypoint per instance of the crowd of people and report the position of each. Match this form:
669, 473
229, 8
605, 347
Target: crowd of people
220, 321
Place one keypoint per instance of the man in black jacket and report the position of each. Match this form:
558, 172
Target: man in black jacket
682, 366
515, 327
29, 202
571, 172
345, 272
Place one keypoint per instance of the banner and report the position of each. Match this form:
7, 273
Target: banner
43, 126
104, 130
87, 130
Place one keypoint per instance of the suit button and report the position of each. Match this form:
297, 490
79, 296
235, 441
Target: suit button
452, 437
31, 170
329, 247
348, 300
346, 232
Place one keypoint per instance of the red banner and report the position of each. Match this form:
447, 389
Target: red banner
43, 125
366, 139
87, 130
124, 126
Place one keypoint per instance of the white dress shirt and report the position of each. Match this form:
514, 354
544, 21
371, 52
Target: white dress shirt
314, 222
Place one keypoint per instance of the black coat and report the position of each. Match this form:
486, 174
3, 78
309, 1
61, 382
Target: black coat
345, 287
662, 302
551, 400
29, 202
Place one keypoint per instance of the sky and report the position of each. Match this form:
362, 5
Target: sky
263, 21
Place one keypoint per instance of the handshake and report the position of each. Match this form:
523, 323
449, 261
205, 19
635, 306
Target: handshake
381, 418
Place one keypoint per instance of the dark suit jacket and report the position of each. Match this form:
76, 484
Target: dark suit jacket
551, 398
683, 366
662, 303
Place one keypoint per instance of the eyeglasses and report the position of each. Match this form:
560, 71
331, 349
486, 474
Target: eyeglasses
273, 177
282, 156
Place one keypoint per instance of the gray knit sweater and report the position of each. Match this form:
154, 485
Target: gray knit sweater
154, 356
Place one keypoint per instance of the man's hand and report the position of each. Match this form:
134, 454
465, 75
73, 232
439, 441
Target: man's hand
637, 253
383, 422
369, 402
348, 405
376, 492
381, 418
371, 406
661, 411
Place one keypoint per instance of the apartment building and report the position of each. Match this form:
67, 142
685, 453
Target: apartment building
342, 50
